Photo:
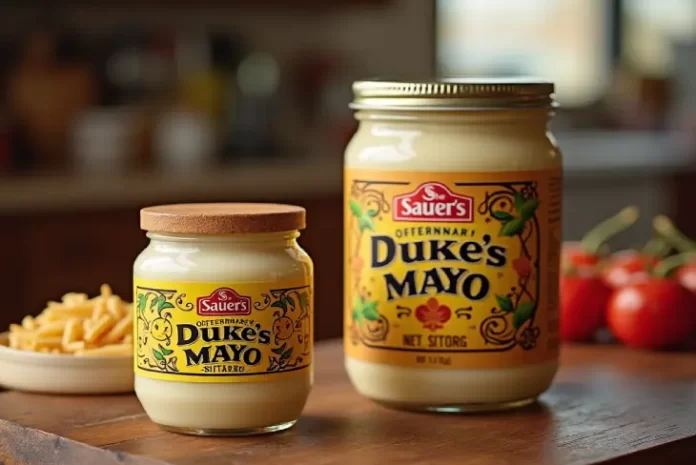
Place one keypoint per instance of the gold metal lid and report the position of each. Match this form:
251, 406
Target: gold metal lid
222, 218
453, 94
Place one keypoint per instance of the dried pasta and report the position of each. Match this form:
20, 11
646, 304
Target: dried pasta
78, 325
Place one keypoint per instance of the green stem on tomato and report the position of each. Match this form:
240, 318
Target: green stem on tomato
672, 235
657, 247
669, 264
601, 233
567, 269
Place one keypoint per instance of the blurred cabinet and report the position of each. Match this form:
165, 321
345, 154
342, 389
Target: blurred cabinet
295, 4
318, 5
80, 252
47, 255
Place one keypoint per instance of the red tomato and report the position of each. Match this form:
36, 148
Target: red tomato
686, 275
583, 306
573, 256
652, 314
625, 267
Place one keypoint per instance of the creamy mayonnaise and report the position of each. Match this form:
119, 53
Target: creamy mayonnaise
224, 325
452, 230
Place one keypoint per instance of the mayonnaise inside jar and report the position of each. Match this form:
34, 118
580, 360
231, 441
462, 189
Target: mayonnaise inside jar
224, 318
452, 240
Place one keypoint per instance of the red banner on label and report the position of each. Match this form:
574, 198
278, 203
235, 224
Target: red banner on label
223, 301
433, 202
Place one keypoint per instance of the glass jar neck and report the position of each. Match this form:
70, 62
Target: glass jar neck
257, 240
476, 119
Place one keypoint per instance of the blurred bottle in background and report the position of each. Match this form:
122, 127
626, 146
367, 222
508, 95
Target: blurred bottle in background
251, 119
51, 83
102, 141
200, 85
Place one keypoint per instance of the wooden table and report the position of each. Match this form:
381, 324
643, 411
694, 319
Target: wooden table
608, 405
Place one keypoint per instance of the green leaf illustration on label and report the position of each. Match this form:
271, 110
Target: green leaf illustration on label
366, 223
163, 305
357, 308
502, 216
519, 201
513, 227
156, 302
529, 208
523, 313
142, 302
504, 302
369, 311
165, 351
355, 208
158, 355
290, 301
357, 315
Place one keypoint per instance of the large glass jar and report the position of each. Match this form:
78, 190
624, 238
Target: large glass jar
452, 236
223, 297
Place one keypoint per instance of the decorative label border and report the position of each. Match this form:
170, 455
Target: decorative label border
495, 328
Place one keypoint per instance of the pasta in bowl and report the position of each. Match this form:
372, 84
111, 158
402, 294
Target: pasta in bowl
76, 346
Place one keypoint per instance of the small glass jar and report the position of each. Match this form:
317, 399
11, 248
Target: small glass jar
224, 318
452, 229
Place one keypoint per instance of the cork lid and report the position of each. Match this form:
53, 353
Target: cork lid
222, 218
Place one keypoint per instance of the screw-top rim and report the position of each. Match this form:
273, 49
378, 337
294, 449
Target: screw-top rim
453, 94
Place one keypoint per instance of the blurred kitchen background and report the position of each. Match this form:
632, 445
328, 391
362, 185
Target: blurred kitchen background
120, 104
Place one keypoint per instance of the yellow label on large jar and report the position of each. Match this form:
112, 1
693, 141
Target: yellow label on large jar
452, 270
222, 332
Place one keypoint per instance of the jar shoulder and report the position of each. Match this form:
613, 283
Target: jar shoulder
417, 147
239, 264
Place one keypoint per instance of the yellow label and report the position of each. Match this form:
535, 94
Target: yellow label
222, 332
452, 270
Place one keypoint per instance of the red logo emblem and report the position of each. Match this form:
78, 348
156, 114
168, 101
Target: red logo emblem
434, 202
433, 315
223, 301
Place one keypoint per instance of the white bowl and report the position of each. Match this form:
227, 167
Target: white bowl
63, 374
